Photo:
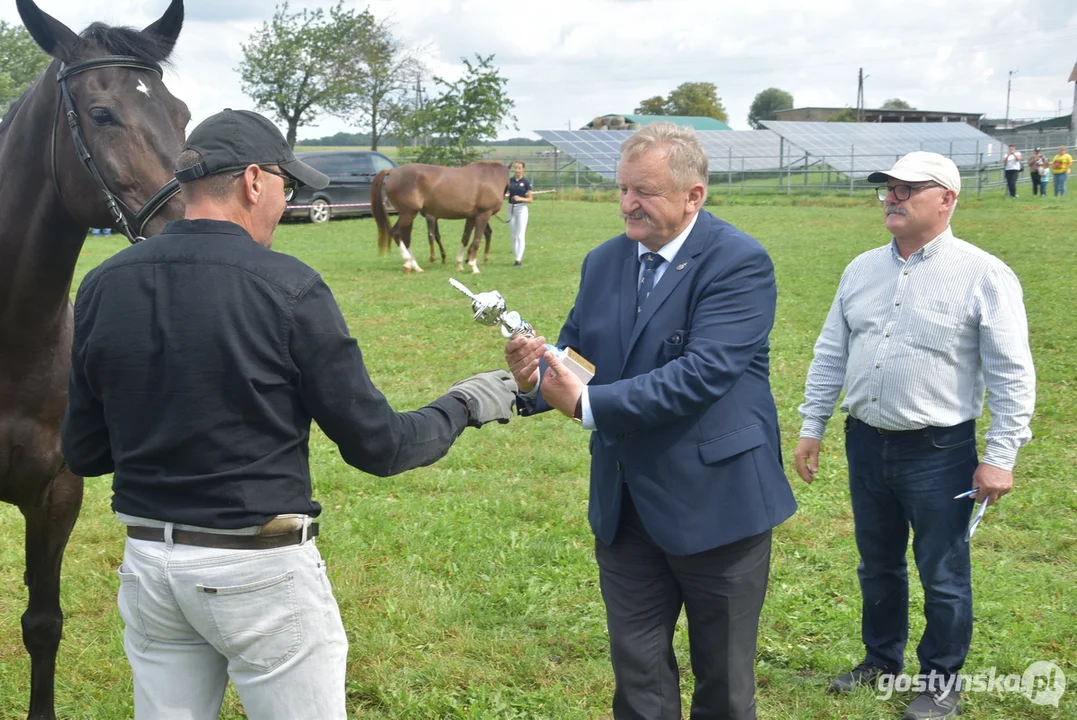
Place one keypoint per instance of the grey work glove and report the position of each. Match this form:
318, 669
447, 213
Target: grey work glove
489, 396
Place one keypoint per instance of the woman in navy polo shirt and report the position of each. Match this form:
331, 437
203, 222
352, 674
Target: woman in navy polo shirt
519, 197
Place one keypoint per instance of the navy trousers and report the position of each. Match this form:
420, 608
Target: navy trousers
899, 481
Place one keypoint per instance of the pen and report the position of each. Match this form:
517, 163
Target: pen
967, 493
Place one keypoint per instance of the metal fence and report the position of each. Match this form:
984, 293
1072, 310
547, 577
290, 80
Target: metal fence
804, 175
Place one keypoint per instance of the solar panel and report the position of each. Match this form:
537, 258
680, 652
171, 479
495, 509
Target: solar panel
858, 149
727, 150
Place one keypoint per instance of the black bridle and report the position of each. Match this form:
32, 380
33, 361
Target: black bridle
130, 223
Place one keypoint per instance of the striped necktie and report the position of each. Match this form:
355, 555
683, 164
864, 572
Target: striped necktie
650, 262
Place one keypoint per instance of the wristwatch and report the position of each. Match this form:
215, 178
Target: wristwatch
577, 414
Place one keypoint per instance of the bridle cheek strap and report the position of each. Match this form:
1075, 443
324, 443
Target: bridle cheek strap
130, 223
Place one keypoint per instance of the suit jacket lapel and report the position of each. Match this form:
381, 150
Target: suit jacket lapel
627, 300
677, 271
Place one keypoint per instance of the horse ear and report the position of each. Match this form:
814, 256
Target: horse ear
168, 26
53, 36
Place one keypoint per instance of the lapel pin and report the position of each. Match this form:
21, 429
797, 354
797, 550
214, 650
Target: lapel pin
682, 266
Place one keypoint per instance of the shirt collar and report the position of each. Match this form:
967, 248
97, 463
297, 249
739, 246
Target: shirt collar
670, 249
927, 250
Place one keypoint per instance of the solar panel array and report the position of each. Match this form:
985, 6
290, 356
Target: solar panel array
855, 149
727, 150
858, 149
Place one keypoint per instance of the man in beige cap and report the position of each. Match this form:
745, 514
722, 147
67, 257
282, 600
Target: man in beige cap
918, 328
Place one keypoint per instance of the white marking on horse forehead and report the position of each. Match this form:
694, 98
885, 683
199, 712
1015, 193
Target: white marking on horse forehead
141, 87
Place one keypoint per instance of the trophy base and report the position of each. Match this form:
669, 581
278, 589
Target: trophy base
578, 364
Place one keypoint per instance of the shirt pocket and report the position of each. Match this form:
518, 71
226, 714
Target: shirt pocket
257, 623
933, 328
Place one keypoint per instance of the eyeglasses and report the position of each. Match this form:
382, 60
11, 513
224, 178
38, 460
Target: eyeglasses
290, 183
901, 192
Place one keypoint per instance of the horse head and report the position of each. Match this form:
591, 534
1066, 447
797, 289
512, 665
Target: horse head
115, 119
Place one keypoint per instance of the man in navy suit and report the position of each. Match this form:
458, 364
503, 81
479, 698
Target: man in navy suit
686, 468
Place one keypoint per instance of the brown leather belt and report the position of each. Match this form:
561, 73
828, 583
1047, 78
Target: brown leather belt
227, 542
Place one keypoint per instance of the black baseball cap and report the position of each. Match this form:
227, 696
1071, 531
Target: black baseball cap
234, 139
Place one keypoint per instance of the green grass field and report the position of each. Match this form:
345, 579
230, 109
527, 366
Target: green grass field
469, 588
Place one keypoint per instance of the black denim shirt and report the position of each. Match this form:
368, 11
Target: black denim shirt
200, 358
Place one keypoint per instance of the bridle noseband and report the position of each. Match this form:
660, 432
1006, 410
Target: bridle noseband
131, 223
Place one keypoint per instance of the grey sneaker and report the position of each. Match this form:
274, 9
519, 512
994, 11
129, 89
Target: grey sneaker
863, 675
934, 704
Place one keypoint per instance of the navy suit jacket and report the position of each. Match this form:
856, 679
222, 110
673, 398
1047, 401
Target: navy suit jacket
681, 394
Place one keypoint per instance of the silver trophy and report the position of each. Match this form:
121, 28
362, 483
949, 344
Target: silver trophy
489, 309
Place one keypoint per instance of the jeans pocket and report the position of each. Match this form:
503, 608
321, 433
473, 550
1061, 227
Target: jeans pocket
127, 600
950, 438
257, 623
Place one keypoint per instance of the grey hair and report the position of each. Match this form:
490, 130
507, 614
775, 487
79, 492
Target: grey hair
687, 161
214, 187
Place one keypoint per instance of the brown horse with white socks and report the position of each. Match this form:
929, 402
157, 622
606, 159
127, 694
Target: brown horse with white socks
473, 193
94, 137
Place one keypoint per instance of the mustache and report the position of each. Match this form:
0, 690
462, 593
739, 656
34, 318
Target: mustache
894, 210
638, 215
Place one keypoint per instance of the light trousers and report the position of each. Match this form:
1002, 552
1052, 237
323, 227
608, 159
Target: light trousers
265, 619
518, 227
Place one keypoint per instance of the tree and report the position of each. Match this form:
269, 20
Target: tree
299, 65
652, 106
467, 112
766, 104
897, 104
696, 99
22, 62
391, 70
846, 114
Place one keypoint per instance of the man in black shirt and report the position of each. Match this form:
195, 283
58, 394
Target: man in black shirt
199, 359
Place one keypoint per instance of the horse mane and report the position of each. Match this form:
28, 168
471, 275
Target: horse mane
120, 40
13, 109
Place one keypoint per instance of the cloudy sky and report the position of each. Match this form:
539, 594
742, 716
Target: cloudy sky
569, 60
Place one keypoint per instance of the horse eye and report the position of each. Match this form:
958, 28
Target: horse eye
101, 116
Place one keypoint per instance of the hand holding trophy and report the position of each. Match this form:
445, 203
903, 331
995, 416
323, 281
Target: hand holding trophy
489, 308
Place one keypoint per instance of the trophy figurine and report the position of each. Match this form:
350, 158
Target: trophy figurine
489, 309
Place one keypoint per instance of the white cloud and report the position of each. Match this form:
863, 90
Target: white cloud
569, 60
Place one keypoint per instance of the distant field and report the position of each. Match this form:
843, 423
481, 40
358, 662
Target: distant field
469, 588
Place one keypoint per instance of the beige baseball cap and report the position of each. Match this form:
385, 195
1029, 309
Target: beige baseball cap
922, 166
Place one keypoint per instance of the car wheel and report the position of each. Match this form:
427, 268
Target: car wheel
320, 211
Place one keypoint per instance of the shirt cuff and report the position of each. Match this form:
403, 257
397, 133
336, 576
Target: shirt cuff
1001, 457
813, 428
588, 416
533, 392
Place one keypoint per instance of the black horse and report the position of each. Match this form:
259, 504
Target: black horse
95, 136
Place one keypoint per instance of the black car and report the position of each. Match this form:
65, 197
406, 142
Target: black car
348, 193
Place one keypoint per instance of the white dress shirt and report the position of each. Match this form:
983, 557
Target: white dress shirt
915, 342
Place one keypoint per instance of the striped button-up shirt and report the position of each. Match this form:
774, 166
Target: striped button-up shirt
915, 342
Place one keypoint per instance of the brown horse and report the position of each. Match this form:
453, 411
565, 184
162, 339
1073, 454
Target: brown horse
95, 136
473, 193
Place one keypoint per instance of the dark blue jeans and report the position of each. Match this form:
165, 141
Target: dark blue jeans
898, 481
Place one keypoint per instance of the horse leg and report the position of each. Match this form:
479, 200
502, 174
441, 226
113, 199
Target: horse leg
469, 225
48, 527
488, 233
437, 236
432, 235
403, 239
481, 225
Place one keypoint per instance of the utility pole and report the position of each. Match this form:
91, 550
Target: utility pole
1009, 84
860, 96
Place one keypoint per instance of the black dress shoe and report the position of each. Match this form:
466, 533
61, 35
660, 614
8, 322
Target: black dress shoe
863, 675
934, 704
